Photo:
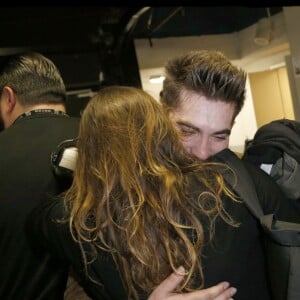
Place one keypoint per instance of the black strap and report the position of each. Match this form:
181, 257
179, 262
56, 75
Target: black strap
284, 233
240, 181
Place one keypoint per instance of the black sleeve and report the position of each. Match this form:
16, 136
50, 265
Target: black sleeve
271, 197
48, 230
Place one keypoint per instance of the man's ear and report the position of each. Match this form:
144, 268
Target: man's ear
9, 98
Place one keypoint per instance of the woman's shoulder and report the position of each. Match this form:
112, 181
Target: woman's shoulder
49, 217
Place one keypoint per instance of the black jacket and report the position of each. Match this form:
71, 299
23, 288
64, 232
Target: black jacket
234, 255
27, 179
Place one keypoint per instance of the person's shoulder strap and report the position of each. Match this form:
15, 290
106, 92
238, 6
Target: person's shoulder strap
242, 182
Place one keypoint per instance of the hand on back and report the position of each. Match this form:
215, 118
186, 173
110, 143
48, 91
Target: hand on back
165, 291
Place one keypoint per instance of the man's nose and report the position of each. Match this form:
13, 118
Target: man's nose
201, 150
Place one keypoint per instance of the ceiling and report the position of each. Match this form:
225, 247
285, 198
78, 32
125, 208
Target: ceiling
83, 28
84, 38
201, 20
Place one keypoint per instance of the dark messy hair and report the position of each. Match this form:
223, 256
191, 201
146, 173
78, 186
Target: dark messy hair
207, 72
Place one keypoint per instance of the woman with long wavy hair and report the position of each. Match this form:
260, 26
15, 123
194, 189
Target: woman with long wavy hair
139, 207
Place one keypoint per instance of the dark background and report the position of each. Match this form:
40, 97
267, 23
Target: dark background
92, 45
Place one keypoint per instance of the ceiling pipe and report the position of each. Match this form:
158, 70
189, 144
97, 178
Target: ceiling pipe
130, 27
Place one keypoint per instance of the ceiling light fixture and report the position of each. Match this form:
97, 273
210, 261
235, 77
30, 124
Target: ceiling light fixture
264, 30
157, 79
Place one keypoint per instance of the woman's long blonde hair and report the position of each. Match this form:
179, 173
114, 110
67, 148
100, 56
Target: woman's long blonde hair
132, 196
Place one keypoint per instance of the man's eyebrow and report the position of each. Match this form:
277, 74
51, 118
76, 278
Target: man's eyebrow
188, 124
224, 131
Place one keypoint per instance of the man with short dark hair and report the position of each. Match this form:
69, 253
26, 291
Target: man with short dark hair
32, 110
203, 92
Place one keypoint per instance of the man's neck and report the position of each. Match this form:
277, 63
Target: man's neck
58, 107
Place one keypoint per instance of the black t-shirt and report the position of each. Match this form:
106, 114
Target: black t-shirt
27, 179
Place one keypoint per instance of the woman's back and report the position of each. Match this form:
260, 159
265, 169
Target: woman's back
234, 254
